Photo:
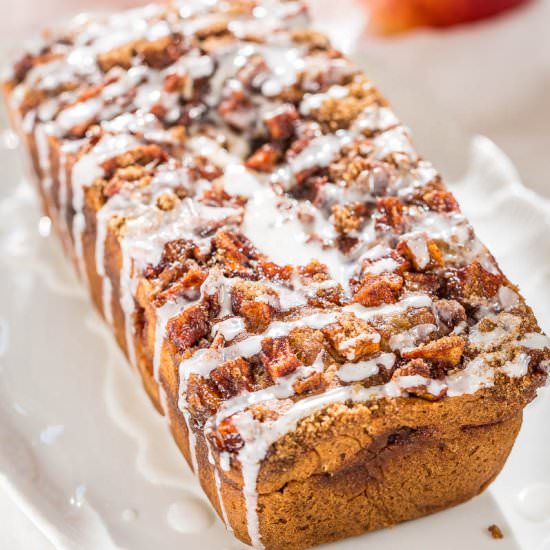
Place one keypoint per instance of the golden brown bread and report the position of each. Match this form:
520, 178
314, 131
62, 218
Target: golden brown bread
334, 348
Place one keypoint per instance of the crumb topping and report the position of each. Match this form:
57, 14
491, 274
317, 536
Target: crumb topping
495, 532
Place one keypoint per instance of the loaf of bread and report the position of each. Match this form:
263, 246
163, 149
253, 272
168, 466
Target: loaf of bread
334, 349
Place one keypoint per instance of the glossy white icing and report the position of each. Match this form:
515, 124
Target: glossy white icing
507, 297
230, 328
374, 119
418, 246
517, 367
217, 481
354, 372
535, 340
41, 136
504, 326
314, 101
409, 339
163, 315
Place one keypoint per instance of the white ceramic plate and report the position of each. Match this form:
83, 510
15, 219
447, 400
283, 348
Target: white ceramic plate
90, 462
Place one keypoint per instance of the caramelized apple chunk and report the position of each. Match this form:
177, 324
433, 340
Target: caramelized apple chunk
446, 351
186, 329
277, 357
232, 377
352, 338
377, 290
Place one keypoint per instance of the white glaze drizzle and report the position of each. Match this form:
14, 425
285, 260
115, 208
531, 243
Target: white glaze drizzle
218, 484
354, 372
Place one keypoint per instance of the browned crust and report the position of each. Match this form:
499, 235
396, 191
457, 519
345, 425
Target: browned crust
366, 474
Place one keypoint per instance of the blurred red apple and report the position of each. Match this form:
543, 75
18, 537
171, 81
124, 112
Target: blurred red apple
391, 16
